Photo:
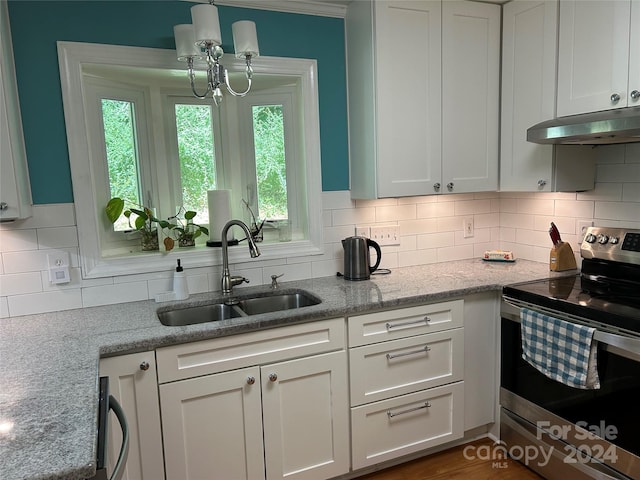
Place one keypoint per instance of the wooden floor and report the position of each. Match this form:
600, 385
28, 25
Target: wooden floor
454, 464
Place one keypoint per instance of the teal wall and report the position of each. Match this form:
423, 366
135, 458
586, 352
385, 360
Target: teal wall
36, 26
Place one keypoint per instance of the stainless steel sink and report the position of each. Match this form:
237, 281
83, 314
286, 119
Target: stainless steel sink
200, 314
240, 306
277, 302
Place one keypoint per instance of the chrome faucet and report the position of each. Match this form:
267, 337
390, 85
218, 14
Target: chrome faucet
228, 281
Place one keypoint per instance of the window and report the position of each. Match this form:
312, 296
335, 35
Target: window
168, 148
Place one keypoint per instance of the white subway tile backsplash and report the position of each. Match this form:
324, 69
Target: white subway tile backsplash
435, 240
395, 213
618, 210
4, 307
619, 172
435, 209
430, 230
20, 283
117, 293
58, 237
354, 216
44, 302
18, 240
535, 206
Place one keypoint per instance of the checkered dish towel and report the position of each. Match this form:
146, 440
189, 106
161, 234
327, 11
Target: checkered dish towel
563, 351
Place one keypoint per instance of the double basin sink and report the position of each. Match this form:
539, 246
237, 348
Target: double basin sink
237, 307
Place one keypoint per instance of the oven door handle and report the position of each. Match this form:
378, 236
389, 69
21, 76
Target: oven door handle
628, 347
118, 470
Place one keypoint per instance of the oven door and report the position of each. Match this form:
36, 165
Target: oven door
592, 433
106, 404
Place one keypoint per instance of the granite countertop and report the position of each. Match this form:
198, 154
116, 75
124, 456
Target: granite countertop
49, 362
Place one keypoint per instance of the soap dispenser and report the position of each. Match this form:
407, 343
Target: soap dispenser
180, 288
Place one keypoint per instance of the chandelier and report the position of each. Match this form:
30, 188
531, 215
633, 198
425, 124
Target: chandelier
201, 40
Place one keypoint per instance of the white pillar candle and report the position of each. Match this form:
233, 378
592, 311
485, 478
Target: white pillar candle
206, 24
245, 38
219, 213
185, 41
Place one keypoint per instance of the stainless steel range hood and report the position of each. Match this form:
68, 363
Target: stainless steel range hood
599, 128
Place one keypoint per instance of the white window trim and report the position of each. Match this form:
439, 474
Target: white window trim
71, 57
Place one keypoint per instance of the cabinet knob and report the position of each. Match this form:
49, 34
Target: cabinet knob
251, 380
615, 98
273, 377
450, 186
635, 95
436, 187
144, 366
4, 206
542, 183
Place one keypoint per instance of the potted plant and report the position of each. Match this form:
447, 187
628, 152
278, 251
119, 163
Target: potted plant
185, 231
144, 222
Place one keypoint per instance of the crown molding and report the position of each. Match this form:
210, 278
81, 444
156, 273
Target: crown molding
323, 8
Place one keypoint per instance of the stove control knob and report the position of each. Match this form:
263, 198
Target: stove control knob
590, 238
602, 239
614, 240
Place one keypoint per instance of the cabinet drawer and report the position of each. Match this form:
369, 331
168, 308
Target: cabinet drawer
237, 351
407, 365
404, 322
389, 429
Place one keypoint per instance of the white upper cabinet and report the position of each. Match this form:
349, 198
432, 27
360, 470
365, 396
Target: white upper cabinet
598, 60
470, 96
409, 63
529, 48
15, 192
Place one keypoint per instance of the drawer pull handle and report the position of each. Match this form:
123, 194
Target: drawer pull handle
426, 348
425, 320
391, 414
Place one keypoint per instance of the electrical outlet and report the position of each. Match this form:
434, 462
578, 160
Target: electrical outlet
386, 235
582, 227
467, 227
363, 232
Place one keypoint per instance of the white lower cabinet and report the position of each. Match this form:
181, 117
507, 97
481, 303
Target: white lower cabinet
407, 389
401, 425
133, 382
272, 419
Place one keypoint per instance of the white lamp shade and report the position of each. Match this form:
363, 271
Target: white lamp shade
245, 39
185, 41
206, 24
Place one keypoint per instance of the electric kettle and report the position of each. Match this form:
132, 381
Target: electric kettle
357, 261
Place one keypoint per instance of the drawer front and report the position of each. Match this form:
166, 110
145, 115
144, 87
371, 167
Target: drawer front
237, 351
404, 322
389, 429
388, 369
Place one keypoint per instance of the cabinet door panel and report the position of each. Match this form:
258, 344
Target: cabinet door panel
408, 59
306, 418
137, 392
593, 55
470, 96
634, 57
528, 92
212, 427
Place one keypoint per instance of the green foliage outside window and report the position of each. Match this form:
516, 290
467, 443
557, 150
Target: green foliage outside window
120, 143
268, 133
